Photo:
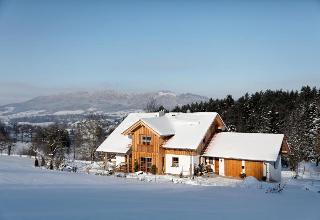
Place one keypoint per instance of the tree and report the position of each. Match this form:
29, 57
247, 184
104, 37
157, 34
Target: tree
152, 105
89, 135
296, 147
53, 142
310, 124
317, 149
5, 140
294, 113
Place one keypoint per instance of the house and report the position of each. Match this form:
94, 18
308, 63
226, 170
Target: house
174, 143
253, 154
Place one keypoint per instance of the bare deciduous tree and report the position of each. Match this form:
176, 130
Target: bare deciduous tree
152, 105
52, 142
89, 135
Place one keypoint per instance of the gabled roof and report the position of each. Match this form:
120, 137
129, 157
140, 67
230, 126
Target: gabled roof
161, 125
118, 143
187, 130
246, 146
190, 129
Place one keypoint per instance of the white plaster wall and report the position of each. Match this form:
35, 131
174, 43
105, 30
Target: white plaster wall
275, 170
184, 164
243, 163
221, 166
120, 159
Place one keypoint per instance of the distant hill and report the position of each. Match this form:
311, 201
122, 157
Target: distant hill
98, 101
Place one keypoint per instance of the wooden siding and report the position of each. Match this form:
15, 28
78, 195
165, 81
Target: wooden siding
284, 147
180, 152
254, 168
232, 167
152, 151
155, 150
216, 165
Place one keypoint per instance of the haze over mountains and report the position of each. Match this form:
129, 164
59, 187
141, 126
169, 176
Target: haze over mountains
99, 101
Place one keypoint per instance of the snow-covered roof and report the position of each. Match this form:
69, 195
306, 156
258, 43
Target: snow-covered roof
160, 125
116, 142
247, 146
188, 130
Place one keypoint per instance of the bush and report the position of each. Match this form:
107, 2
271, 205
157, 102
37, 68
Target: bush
154, 169
243, 175
27, 151
136, 166
43, 162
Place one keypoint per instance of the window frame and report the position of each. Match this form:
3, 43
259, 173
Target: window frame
145, 139
175, 163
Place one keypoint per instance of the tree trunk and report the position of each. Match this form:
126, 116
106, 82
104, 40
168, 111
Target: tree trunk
9, 149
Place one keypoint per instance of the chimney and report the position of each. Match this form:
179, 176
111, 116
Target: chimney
161, 113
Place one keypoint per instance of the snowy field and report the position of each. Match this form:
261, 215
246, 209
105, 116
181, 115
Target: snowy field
34, 193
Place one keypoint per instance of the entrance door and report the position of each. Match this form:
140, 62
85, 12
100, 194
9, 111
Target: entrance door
145, 164
163, 170
221, 166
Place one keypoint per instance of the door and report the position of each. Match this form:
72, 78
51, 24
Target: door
255, 169
232, 167
216, 166
163, 170
221, 167
145, 164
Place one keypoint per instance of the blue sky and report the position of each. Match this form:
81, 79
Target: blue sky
212, 48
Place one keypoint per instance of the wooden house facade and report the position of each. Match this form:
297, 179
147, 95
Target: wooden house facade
175, 143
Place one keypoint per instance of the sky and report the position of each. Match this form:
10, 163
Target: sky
211, 48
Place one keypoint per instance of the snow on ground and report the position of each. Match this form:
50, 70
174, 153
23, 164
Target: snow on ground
17, 148
27, 114
69, 112
309, 170
40, 124
34, 193
6, 111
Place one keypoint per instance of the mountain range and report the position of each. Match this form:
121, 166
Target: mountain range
98, 101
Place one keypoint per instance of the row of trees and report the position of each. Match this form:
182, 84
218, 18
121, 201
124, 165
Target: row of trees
56, 142
294, 113
5, 140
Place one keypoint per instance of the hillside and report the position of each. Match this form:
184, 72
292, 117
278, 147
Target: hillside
35, 193
105, 101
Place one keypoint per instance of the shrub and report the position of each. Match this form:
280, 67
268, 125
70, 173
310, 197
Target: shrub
154, 169
43, 162
136, 166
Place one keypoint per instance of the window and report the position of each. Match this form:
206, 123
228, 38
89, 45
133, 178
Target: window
145, 164
175, 161
145, 140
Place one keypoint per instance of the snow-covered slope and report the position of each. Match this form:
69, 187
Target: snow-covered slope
30, 193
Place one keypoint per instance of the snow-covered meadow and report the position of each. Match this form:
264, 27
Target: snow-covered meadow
34, 193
